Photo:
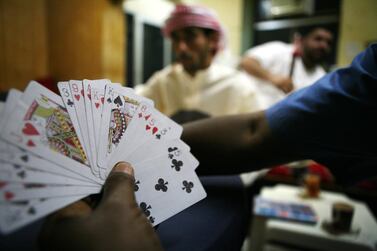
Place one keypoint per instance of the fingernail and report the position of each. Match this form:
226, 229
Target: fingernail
124, 167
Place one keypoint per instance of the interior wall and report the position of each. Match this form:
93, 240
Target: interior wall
60, 39
23, 42
230, 13
86, 39
357, 28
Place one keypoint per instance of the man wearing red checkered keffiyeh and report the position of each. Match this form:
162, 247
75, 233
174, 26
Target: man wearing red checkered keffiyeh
194, 83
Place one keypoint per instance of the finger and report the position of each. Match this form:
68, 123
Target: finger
119, 187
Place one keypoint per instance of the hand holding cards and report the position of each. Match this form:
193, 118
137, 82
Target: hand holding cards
58, 149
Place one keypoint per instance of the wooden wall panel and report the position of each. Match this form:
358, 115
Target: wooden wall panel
23, 44
86, 39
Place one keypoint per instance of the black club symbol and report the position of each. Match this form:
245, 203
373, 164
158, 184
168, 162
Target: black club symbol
151, 219
176, 164
187, 185
145, 208
137, 183
161, 185
70, 103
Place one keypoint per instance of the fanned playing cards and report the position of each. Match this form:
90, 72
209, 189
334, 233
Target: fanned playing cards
57, 149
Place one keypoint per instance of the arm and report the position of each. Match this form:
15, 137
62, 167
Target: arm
234, 144
254, 68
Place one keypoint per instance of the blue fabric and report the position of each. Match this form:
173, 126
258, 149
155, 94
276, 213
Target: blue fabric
334, 120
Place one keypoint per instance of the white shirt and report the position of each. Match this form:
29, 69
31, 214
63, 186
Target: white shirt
276, 57
218, 90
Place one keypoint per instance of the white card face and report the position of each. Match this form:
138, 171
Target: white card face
162, 193
18, 156
119, 108
87, 86
77, 92
42, 126
18, 173
168, 148
16, 215
98, 101
45, 191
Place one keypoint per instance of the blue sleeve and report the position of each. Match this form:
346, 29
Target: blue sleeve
334, 120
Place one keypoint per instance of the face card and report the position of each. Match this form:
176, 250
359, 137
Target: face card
147, 125
120, 105
68, 99
42, 126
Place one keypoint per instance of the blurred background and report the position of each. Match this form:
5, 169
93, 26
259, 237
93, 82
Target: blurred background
53, 40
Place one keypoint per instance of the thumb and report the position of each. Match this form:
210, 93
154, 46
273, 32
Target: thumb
119, 186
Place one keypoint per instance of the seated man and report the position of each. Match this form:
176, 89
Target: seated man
278, 68
195, 82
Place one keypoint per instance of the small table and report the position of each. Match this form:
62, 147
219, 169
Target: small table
363, 235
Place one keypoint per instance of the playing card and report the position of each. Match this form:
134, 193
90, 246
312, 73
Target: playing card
56, 150
45, 191
147, 125
119, 108
18, 156
77, 91
87, 86
41, 125
65, 92
16, 215
157, 188
98, 101
19, 173
147, 151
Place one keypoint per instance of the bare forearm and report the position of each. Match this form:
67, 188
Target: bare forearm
253, 67
234, 144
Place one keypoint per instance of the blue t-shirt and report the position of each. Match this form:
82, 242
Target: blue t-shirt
334, 120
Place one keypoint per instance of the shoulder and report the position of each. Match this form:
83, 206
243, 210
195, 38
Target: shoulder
270, 48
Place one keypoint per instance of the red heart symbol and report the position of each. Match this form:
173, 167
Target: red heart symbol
77, 97
30, 143
2, 184
154, 130
8, 195
97, 105
29, 129
102, 100
147, 117
147, 127
82, 92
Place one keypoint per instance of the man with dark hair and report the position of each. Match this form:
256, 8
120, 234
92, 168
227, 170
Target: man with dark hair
278, 68
195, 82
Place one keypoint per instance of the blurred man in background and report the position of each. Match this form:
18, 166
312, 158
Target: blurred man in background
194, 82
278, 68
